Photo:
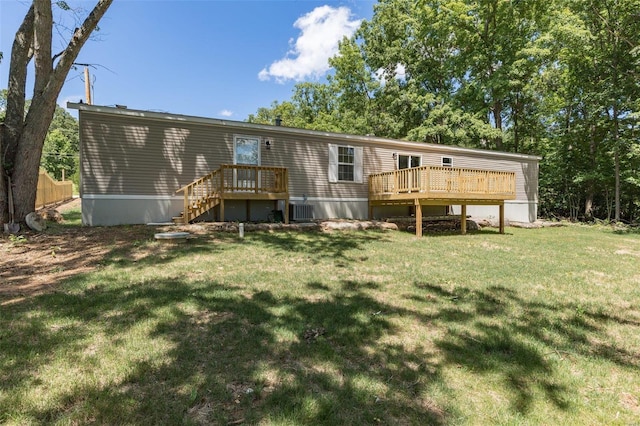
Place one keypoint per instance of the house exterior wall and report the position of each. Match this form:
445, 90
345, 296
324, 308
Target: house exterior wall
132, 163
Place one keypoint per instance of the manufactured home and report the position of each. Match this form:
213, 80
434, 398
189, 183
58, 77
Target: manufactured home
141, 166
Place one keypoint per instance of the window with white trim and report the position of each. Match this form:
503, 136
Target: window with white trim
246, 150
345, 163
409, 161
447, 162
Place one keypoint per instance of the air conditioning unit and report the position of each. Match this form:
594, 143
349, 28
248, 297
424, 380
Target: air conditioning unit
301, 211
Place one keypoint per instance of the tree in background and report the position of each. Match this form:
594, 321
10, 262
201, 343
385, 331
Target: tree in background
312, 106
61, 145
60, 150
591, 100
22, 136
555, 78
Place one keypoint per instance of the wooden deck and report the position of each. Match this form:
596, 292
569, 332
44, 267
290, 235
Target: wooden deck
234, 182
442, 186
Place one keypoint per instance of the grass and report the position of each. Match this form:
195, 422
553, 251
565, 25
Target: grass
533, 327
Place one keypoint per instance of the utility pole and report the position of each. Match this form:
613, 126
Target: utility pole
87, 85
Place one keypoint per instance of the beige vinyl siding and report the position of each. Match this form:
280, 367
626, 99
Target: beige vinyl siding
308, 163
124, 154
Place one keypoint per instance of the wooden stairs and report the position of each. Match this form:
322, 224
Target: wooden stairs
233, 182
200, 207
200, 196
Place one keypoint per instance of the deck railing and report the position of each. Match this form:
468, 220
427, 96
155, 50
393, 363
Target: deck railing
257, 179
444, 183
229, 179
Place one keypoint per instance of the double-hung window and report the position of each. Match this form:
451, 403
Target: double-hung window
345, 163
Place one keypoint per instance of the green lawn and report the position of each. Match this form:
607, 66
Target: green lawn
532, 327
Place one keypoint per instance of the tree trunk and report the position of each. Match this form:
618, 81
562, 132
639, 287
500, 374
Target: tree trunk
497, 115
593, 152
21, 53
4, 195
23, 137
616, 160
516, 124
25, 174
588, 204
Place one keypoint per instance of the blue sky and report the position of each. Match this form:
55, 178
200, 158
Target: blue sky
211, 58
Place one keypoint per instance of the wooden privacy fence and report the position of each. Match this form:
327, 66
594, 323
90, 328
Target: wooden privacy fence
51, 191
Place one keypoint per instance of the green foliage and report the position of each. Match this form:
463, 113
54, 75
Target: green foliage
61, 146
60, 150
311, 107
556, 78
591, 98
17, 239
63, 5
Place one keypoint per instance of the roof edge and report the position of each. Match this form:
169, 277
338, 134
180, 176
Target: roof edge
292, 130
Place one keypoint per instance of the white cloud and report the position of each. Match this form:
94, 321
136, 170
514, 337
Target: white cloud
226, 113
400, 74
320, 31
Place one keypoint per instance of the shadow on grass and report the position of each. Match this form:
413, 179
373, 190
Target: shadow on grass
212, 355
495, 331
317, 245
321, 244
628, 230
172, 350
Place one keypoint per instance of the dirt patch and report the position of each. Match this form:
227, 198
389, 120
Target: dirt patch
35, 262
630, 402
32, 263
628, 252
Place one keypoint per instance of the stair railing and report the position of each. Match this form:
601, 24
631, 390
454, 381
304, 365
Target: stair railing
198, 192
236, 178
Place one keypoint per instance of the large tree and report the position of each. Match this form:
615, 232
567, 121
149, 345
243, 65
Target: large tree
22, 135
593, 93
556, 78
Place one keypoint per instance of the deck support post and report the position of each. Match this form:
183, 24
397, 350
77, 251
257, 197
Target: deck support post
221, 209
501, 217
418, 218
463, 219
185, 209
286, 211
